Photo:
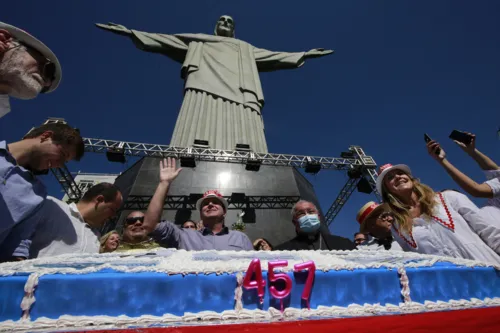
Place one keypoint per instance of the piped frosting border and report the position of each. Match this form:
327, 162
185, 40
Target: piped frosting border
207, 262
243, 316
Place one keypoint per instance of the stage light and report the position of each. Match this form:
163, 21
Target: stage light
188, 162
347, 154
242, 147
116, 155
364, 186
312, 167
201, 143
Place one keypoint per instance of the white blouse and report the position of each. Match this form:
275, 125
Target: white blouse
460, 240
492, 207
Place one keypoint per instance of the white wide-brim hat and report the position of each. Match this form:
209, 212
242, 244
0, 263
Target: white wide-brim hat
212, 194
31, 41
384, 169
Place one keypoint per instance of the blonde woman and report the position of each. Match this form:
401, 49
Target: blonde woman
109, 242
432, 222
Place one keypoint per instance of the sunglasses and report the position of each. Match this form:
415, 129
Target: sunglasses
385, 215
47, 68
132, 220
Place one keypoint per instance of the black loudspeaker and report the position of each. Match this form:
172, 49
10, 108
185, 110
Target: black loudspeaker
116, 155
249, 216
188, 162
194, 197
182, 215
313, 167
253, 165
237, 197
364, 186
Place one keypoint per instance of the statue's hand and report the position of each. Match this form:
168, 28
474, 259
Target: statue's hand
116, 28
317, 53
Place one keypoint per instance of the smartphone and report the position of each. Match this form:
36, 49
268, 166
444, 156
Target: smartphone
460, 136
427, 139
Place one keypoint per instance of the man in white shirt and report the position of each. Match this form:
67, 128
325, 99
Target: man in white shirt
27, 66
62, 228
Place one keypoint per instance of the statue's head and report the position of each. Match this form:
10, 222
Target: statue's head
225, 26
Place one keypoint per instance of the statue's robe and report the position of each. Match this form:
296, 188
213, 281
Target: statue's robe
223, 96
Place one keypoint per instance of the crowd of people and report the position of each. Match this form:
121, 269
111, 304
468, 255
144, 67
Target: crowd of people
412, 217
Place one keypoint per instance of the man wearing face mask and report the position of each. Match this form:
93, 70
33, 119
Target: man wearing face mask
305, 218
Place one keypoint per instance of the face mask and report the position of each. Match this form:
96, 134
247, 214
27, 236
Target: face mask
309, 223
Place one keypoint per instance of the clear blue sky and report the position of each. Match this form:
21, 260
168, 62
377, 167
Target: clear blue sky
401, 68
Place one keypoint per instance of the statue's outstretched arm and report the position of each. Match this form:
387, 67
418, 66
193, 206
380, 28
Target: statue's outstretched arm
168, 45
316, 53
115, 28
274, 60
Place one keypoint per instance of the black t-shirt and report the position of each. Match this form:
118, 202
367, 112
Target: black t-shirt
312, 242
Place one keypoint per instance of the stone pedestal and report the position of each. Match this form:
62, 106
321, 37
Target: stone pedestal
269, 220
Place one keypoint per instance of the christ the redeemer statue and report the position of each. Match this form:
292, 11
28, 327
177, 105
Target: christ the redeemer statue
223, 96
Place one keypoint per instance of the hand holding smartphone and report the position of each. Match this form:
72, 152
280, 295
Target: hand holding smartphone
462, 137
428, 139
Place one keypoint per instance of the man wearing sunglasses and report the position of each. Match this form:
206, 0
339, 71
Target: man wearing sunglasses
138, 225
376, 220
27, 66
135, 236
212, 206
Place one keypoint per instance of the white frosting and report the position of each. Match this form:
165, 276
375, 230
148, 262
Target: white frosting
29, 295
182, 262
238, 292
207, 262
405, 284
243, 316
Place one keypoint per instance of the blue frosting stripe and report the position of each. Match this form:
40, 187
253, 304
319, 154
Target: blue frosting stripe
114, 293
447, 281
11, 295
136, 294
339, 288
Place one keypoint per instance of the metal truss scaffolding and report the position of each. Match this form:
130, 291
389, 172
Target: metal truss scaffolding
359, 167
341, 199
366, 171
175, 202
217, 155
65, 178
